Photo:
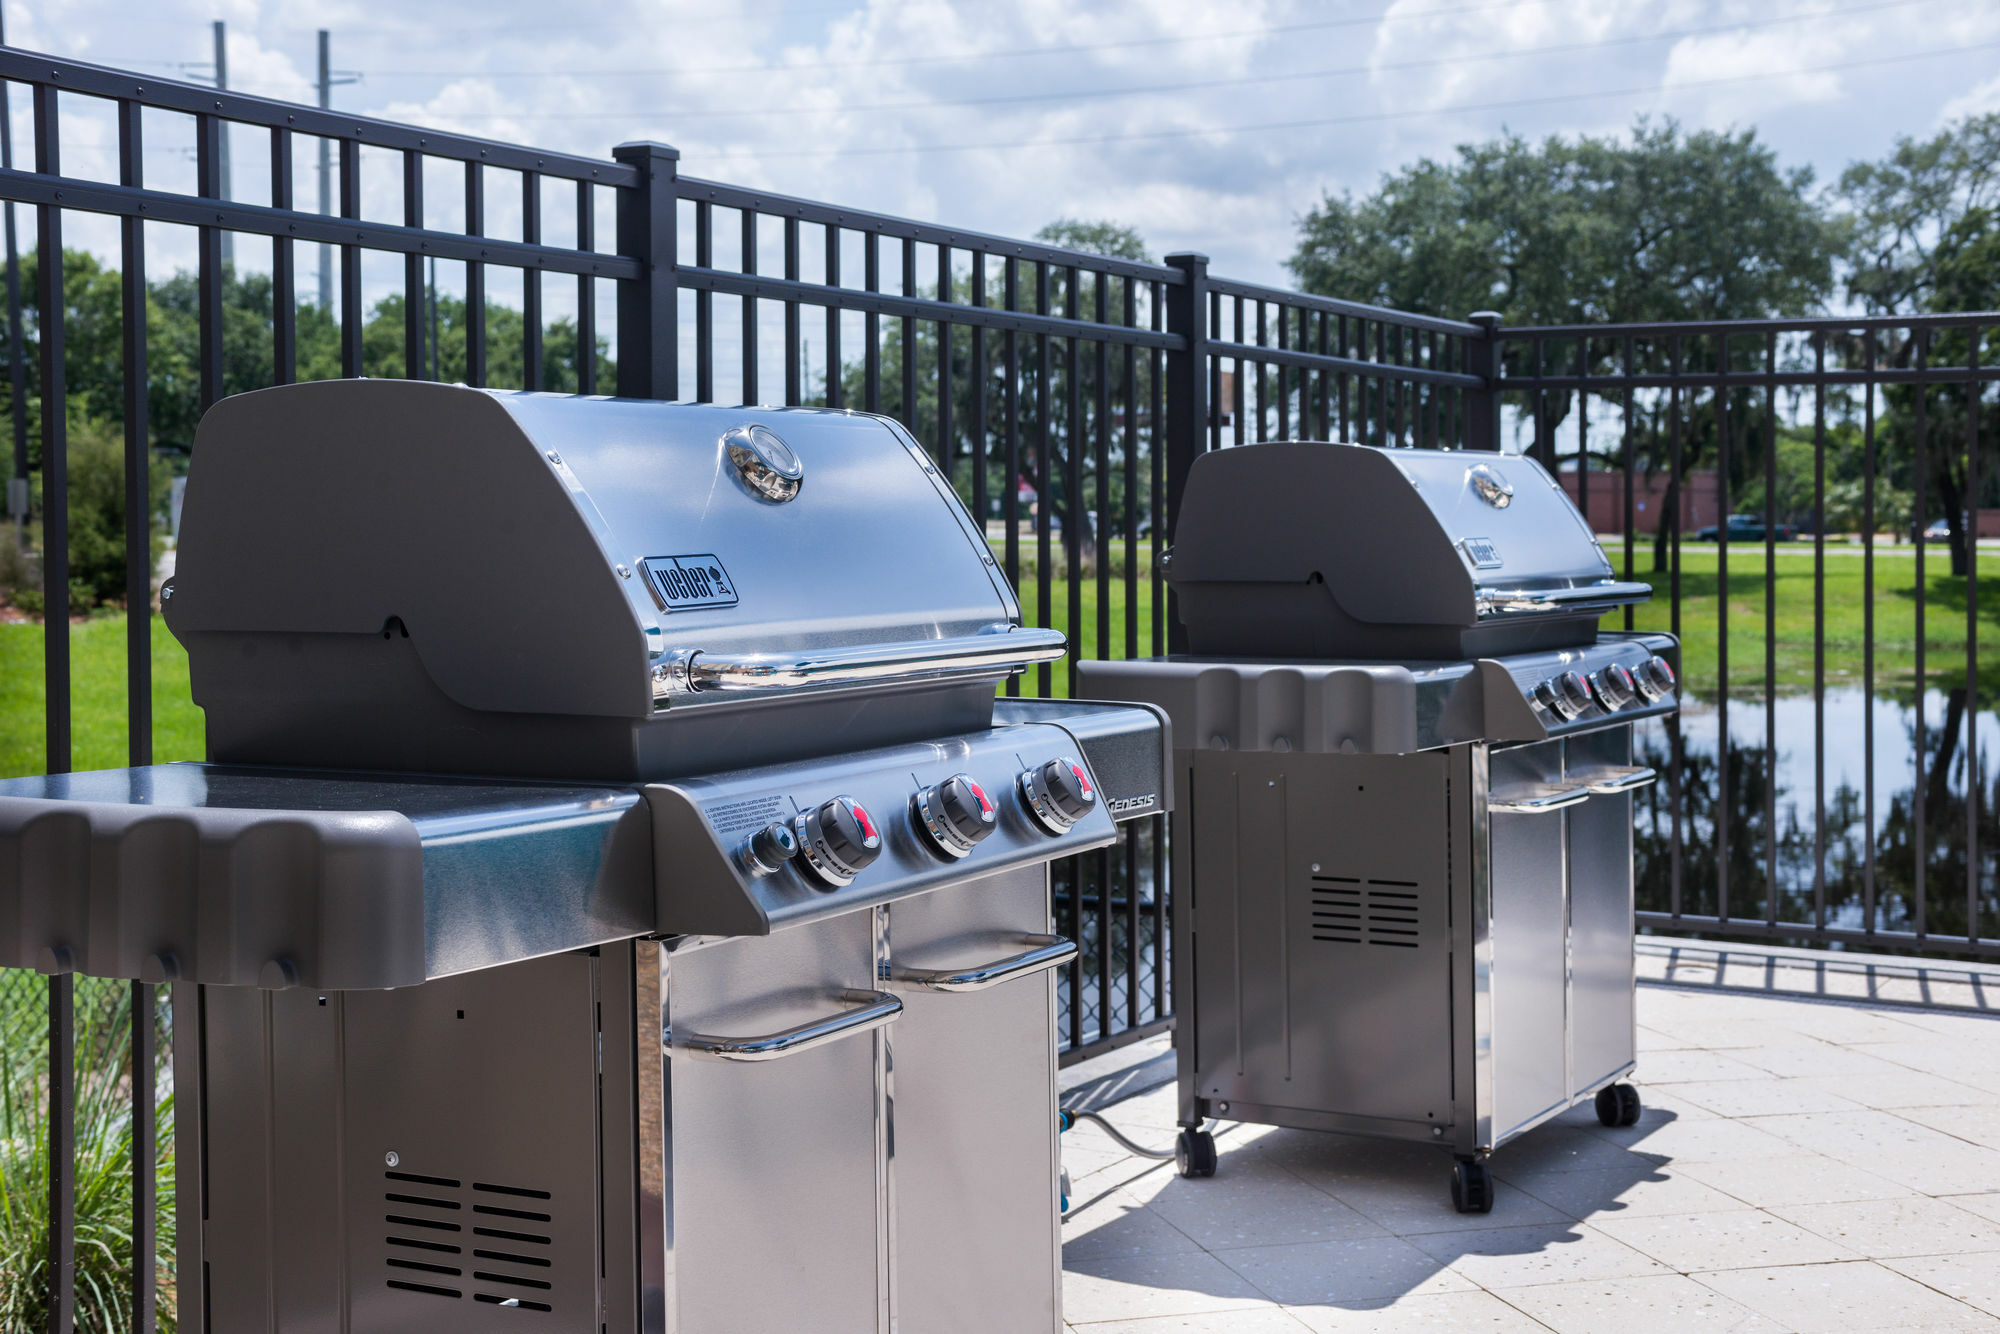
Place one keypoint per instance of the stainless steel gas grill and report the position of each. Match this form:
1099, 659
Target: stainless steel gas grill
1403, 848
611, 902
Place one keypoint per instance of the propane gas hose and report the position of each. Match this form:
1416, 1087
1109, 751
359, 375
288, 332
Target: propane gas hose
1069, 1119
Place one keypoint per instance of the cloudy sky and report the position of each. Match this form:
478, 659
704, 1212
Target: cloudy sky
1205, 124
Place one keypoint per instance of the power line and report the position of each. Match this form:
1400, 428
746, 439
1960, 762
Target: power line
1012, 99
1764, 76
960, 57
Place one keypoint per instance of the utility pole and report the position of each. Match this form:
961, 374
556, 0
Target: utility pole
17, 364
222, 134
326, 87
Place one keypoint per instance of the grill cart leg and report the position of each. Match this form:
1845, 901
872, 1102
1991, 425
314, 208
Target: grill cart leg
1618, 1105
1471, 1186
1194, 1153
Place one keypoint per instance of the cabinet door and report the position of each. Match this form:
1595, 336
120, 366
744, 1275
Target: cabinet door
1529, 937
773, 1164
1600, 873
977, 1237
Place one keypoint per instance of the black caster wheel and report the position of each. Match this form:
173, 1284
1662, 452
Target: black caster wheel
1618, 1105
1065, 1192
1194, 1153
1471, 1187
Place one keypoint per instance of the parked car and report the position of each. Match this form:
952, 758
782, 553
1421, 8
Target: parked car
1747, 528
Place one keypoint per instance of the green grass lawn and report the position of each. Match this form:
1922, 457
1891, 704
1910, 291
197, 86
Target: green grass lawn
98, 647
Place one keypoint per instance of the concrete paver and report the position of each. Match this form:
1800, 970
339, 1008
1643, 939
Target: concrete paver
1802, 1166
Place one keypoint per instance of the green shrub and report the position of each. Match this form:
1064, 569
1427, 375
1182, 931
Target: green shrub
103, 1165
96, 472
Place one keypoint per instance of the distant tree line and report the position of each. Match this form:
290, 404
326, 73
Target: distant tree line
1667, 225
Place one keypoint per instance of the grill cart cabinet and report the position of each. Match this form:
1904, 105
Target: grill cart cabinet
1403, 845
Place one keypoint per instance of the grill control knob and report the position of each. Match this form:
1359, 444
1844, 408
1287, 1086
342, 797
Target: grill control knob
1655, 679
1057, 794
954, 815
1566, 696
838, 840
1615, 687
769, 848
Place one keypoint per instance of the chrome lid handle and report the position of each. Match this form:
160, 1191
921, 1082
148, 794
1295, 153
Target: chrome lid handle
694, 671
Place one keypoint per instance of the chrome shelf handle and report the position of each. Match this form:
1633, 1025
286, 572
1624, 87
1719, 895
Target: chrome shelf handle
1611, 781
1048, 952
877, 1009
1537, 798
694, 671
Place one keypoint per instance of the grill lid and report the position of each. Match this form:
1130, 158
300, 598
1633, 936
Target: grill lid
399, 574
1305, 549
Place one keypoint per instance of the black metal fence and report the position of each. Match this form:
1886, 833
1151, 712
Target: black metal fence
1839, 623
1065, 393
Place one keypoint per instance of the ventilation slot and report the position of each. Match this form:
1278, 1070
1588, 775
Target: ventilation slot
516, 1272
1347, 910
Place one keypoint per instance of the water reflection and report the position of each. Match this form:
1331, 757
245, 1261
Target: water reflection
1918, 806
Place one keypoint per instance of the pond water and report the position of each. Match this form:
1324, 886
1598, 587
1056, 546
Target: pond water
1895, 826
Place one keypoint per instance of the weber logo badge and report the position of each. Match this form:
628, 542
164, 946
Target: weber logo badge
1482, 553
685, 583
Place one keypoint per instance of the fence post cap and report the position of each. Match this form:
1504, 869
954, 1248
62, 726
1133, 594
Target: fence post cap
1182, 258
644, 148
1488, 320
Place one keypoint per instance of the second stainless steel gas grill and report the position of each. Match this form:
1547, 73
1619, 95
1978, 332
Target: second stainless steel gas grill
611, 902
1403, 846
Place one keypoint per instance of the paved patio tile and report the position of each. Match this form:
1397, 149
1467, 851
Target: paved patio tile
1517, 1257
1253, 1203
1980, 1124
1660, 1304
1694, 1063
1122, 1287
1119, 1223
1567, 1149
1806, 1178
1817, 1060
1411, 1209
1973, 1279
1763, 1097
1258, 1320
1739, 1239
1984, 1203
1843, 1298
1699, 1141
1668, 1189
1322, 1272
1893, 1228
1912, 1088
1451, 1312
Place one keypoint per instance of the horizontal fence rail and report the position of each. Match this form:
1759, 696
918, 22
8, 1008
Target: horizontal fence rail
1852, 436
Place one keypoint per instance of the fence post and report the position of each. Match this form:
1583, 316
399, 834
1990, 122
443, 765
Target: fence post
649, 348
1187, 401
1482, 406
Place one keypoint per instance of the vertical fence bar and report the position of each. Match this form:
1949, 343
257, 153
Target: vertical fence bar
750, 317
1010, 495
1132, 603
1672, 520
1156, 427
1102, 524
284, 270
51, 324
649, 353
209, 263
977, 376
475, 278
871, 331
1582, 433
416, 323
586, 291
908, 406
1073, 508
1263, 373
704, 304
1819, 630
350, 262
1212, 426
1045, 573
62, 1152
1770, 633
1187, 403
145, 1163
794, 370
1482, 405
1631, 506
832, 397
532, 376
1722, 808
138, 448
947, 442
1973, 778
1868, 635
1920, 880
